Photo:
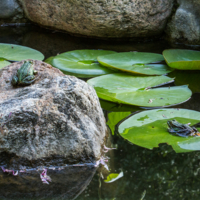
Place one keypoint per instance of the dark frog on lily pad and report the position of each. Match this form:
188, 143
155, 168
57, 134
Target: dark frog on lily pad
25, 75
183, 130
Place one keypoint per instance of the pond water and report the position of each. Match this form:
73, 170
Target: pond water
161, 172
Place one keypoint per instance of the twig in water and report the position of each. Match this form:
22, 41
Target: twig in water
44, 177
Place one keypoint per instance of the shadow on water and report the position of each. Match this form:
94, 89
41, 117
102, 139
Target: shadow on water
162, 173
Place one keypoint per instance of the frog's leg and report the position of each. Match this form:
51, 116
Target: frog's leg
28, 80
196, 125
14, 80
170, 130
183, 133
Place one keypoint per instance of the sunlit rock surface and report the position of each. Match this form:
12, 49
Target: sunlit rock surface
66, 184
56, 120
101, 18
185, 24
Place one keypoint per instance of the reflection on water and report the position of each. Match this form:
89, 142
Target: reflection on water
66, 184
164, 174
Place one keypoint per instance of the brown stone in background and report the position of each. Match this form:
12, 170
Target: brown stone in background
101, 18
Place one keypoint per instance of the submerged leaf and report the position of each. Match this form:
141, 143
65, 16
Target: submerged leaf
81, 63
149, 129
4, 63
49, 60
191, 78
113, 177
114, 118
115, 107
136, 90
135, 62
18, 53
182, 59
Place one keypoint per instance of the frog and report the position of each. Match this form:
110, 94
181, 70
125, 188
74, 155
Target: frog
25, 74
183, 130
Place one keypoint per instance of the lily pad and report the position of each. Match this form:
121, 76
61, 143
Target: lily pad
135, 62
113, 177
136, 90
17, 53
191, 78
182, 59
4, 63
81, 63
149, 128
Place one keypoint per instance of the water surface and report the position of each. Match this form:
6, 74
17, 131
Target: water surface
162, 173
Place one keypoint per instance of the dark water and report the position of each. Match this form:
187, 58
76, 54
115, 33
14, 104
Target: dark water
162, 173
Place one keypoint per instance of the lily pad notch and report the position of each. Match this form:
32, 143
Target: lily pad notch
81, 63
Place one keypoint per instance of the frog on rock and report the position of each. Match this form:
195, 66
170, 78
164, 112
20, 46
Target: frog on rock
25, 74
183, 130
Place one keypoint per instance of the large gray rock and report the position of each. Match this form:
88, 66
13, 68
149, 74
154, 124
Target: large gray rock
56, 120
101, 18
185, 24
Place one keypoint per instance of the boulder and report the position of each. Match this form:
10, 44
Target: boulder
101, 18
185, 24
56, 120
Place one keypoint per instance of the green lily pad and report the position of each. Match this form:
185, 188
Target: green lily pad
182, 59
136, 90
4, 63
149, 128
113, 177
191, 78
135, 62
81, 63
18, 53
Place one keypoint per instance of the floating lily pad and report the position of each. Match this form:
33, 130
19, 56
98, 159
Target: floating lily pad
182, 59
135, 90
4, 63
113, 177
191, 78
135, 62
149, 128
17, 53
81, 63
